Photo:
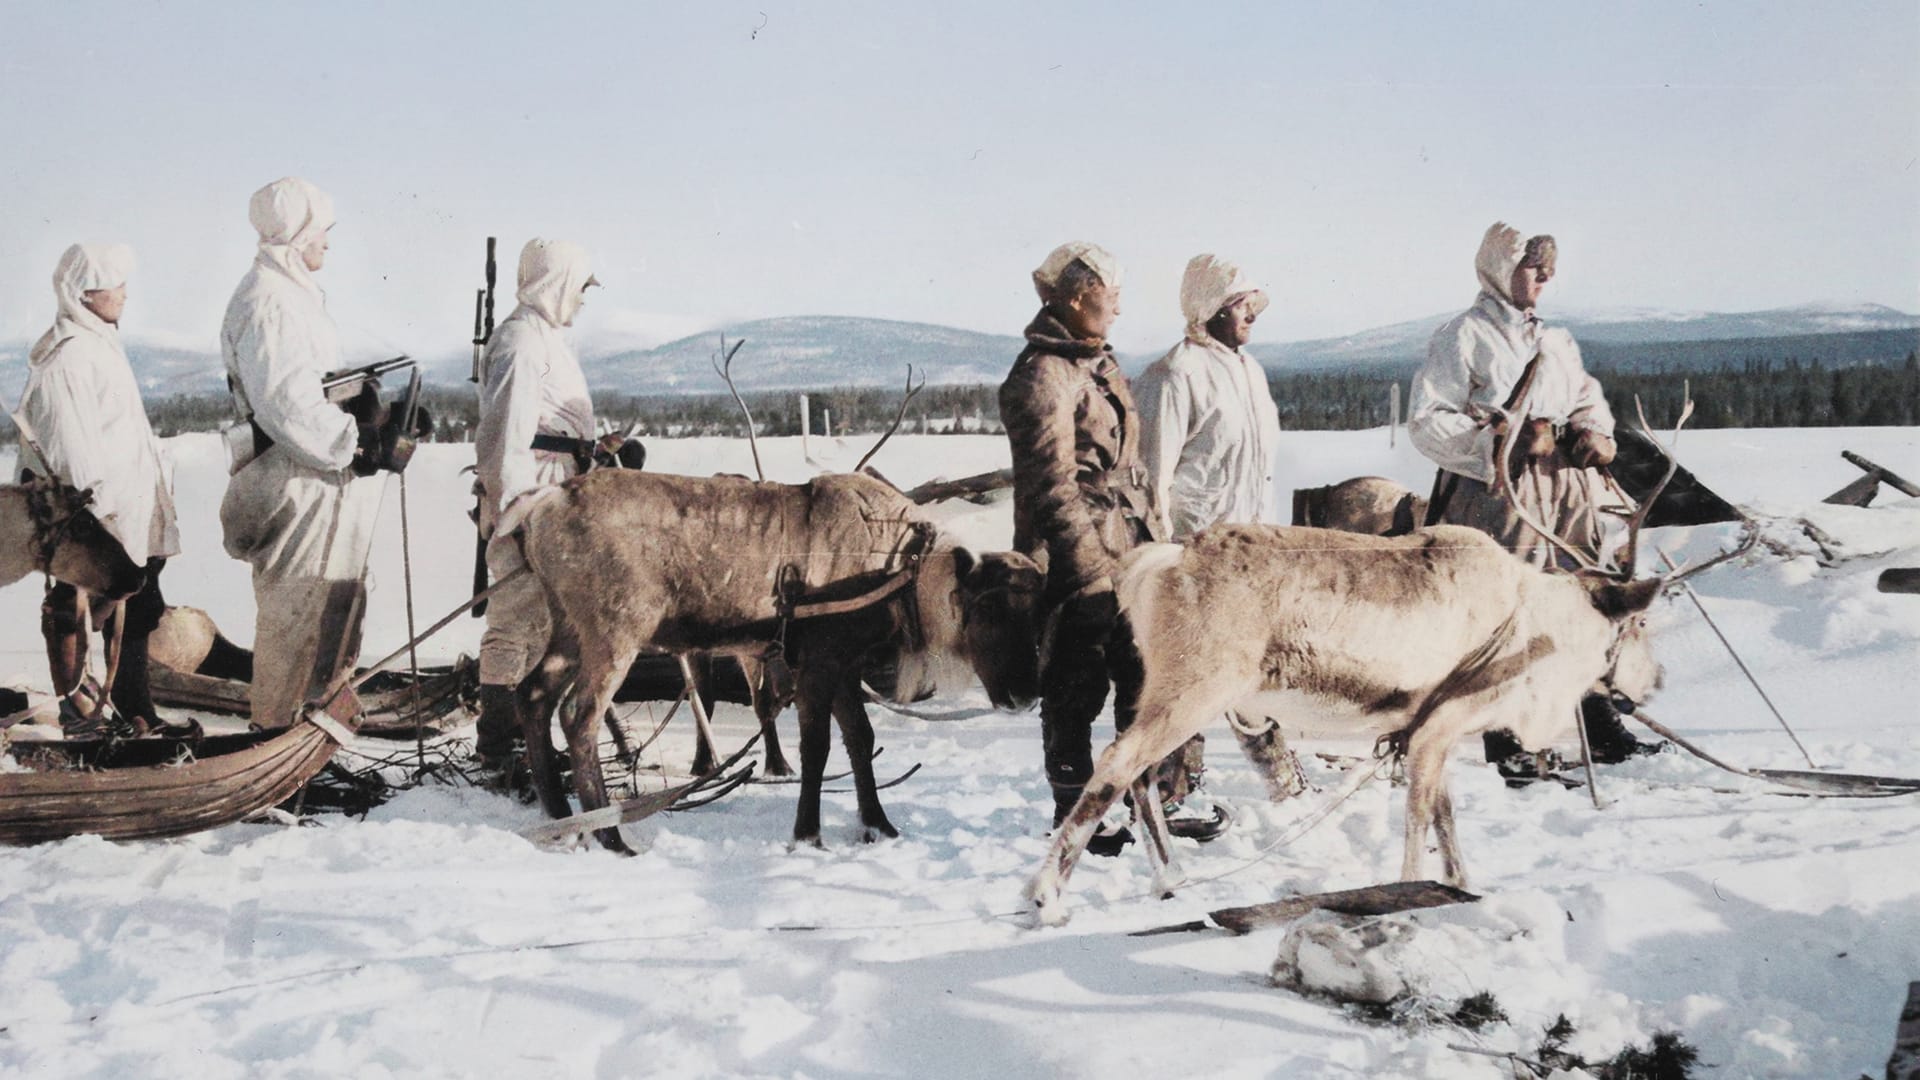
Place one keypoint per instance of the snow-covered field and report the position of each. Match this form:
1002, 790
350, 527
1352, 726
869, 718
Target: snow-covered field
1777, 934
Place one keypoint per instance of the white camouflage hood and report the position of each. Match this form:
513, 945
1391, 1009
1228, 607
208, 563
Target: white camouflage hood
289, 214
552, 275
1211, 283
83, 268
1500, 253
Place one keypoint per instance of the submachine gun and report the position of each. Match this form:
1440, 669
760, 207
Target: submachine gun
389, 430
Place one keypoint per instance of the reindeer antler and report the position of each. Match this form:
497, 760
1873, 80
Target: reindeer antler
1750, 529
1514, 413
1630, 550
724, 368
912, 389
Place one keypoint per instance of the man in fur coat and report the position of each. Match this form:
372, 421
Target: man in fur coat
1081, 500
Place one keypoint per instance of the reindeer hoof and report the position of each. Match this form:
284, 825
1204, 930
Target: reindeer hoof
807, 841
613, 841
873, 833
1046, 907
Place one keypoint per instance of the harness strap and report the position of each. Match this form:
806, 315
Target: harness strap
790, 608
900, 580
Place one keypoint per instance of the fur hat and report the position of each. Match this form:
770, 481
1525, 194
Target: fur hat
1092, 256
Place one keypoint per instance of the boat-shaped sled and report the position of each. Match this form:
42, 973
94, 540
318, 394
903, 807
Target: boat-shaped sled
162, 786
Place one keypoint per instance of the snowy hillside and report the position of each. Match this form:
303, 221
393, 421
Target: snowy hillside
1777, 934
811, 352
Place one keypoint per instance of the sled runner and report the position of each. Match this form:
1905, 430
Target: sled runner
387, 696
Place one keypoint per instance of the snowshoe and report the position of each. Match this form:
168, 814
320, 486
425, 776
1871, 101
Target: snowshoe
1526, 767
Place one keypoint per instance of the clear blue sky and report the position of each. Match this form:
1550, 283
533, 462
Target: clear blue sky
915, 161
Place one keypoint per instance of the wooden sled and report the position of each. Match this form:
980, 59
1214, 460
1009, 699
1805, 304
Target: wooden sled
157, 787
387, 697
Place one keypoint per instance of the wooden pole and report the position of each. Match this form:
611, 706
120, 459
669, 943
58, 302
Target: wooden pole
806, 429
1393, 408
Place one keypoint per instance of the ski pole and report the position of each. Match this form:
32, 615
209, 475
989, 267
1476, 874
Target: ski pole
1742, 664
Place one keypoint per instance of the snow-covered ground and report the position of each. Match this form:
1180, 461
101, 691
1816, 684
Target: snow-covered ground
1778, 934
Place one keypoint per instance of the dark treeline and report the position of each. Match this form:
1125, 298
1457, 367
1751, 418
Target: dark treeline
1767, 394
1753, 393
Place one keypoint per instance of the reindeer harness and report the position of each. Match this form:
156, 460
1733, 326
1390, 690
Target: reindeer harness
792, 605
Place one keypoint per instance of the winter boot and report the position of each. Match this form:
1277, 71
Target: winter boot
499, 746
498, 725
1609, 739
1268, 751
1107, 840
1517, 765
132, 694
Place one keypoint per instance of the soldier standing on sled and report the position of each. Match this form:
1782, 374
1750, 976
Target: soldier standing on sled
536, 431
297, 507
1080, 502
1474, 364
88, 429
1209, 434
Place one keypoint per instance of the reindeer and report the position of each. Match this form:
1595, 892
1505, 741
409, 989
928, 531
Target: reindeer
46, 528
1421, 640
838, 574
1365, 504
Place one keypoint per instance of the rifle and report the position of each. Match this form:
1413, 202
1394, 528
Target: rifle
482, 333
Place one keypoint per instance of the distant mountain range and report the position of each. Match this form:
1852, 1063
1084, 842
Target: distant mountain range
824, 351
811, 352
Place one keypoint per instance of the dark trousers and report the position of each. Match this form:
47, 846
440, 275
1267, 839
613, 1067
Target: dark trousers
1091, 651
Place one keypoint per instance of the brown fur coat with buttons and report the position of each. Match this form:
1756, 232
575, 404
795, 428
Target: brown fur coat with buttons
1080, 495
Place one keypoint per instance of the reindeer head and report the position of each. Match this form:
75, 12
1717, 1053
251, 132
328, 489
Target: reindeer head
70, 545
1632, 672
994, 597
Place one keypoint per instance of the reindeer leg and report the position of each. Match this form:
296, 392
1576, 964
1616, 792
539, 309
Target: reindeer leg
856, 734
814, 697
1156, 731
534, 700
592, 695
700, 696
1426, 788
766, 708
1450, 862
1152, 816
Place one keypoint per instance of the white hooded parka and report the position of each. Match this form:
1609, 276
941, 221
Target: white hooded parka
531, 383
295, 512
82, 410
1474, 361
1210, 429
